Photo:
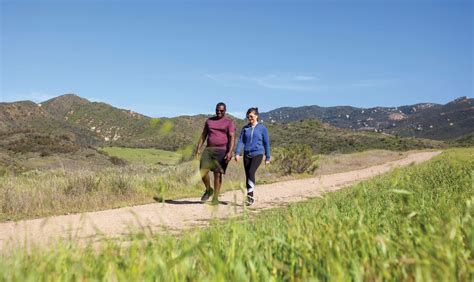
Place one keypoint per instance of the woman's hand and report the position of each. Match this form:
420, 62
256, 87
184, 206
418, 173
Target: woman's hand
237, 158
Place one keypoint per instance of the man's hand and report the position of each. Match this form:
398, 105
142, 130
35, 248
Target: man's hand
267, 163
228, 157
200, 143
237, 158
197, 154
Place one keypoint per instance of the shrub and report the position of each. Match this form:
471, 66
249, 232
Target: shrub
81, 184
295, 158
118, 161
122, 185
45, 154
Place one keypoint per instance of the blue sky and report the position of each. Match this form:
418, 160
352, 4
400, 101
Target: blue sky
167, 58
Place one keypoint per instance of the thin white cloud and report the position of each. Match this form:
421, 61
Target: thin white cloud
374, 82
212, 77
292, 82
304, 78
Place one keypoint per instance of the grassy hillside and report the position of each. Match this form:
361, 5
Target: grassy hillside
68, 124
27, 150
412, 224
125, 128
27, 116
61, 106
181, 134
120, 127
326, 139
169, 134
143, 156
464, 141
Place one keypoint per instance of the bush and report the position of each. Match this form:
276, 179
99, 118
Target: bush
117, 161
81, 185
295, 158
122, 185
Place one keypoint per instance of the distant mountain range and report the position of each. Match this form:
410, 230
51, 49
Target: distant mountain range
93, 123
67, 123
426, 120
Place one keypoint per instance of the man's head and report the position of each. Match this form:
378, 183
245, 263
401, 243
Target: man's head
220, 110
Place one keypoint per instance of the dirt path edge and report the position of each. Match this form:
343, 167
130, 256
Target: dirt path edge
176, 215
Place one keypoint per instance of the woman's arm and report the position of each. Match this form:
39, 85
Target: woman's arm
266, 144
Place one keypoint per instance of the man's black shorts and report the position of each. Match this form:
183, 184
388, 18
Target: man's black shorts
213, 159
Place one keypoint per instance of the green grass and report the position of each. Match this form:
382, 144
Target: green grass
36, 193
144, 156
414, 223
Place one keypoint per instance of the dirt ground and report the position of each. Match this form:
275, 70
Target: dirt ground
176, 215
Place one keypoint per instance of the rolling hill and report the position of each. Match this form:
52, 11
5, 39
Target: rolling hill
325, 139
68, 129
22, 116
426, 120
98, 124
120, 127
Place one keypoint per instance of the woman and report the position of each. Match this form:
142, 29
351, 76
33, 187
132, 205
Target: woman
254, 139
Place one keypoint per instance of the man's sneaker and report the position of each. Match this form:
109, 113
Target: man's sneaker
207, 195
250, 200
215, 201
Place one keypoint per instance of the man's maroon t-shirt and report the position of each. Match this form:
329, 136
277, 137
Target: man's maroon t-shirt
218, 132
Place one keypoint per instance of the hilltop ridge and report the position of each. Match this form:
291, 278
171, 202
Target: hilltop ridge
424, 120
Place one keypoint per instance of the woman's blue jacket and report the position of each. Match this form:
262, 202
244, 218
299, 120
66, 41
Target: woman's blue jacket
254, 140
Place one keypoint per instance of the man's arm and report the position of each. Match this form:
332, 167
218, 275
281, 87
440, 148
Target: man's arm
231, 132
228, 156
201, 141
240, 143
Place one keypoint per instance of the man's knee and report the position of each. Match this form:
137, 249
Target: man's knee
218, 175
204, 173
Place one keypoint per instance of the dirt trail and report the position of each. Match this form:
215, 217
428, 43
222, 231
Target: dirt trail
175, 215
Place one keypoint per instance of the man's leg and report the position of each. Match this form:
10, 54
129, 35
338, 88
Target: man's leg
204, 167
206, 179
217, 186
207, 182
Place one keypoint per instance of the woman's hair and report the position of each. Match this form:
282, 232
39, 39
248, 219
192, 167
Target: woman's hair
253, 110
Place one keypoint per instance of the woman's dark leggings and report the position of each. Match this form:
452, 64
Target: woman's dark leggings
250, 165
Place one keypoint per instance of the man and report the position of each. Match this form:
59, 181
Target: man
220, 134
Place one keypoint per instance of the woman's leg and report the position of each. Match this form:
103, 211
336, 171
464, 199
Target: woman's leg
247, 162
250, 170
